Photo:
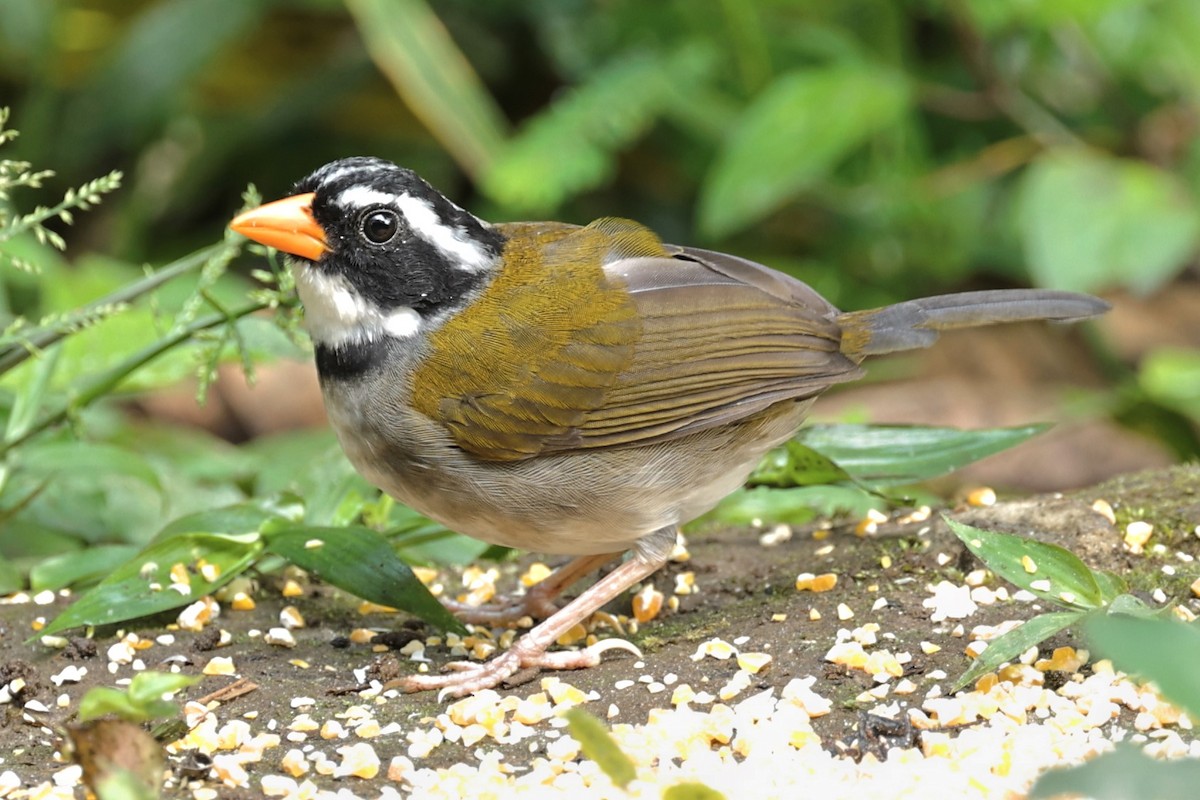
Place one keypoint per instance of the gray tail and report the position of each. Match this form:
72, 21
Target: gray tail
916, 323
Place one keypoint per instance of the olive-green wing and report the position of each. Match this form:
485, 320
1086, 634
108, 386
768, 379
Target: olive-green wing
602, 336
516, 373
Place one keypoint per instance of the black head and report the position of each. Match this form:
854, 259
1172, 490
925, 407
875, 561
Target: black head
394, 239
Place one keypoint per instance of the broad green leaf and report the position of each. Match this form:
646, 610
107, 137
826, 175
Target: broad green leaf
129, 592
1058, 576
598, 745
1090, 221
793, 506
795, 464
242, 518
1120, 775
1172, 377
792, 135
84, 458
362, 562
1157, 649
141, 701
428, 70
1112, 590
894, 455
1133, 606
79, 566
1010, 645
192, 453
420, 540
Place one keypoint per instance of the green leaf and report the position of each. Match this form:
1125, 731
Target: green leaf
792, 506
242, 518
1133, 606
792, 135
1071, 583
691, 790
10, 577
31, 394
1112, 590
362, 562
586, 125
1157, 649
598, 745
140, 702
1171, 377
1090, 221
795, 464
127, 593
428, 70
79, 567
1010, 645
1120, 775
894, 455
87, 458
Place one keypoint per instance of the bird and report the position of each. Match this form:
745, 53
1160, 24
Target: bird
573, 390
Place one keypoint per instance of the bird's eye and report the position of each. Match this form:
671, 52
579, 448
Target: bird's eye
380, 226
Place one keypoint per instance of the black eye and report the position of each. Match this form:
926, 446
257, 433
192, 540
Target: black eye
380, 226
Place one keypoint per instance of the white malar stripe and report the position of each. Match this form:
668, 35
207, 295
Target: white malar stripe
357, 197
336, 314
463, 252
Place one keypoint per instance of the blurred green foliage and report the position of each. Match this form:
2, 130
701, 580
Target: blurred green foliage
875, 148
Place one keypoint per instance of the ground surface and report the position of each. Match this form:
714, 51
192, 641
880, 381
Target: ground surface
745, 595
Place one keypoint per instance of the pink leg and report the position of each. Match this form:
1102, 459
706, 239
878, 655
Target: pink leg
528, 653
537, 602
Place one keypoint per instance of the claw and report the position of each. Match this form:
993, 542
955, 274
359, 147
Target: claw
604, 645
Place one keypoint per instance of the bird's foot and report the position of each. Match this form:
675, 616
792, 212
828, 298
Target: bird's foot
505, 610
517, 665
537, 602
528, 654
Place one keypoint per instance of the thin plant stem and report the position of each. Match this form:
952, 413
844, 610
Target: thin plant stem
104, 383
16, 354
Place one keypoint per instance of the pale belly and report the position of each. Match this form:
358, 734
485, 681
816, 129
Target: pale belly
575, 503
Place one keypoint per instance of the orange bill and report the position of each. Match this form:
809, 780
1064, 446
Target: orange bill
286, 225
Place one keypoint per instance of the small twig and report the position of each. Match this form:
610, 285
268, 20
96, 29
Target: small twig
1019, 107
991, 162
228, 692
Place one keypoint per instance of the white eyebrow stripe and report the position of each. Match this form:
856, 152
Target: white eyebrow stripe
364, 197
464, 254
334, 175
452, 242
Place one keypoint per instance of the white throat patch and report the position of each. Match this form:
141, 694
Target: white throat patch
336, 314
452, 242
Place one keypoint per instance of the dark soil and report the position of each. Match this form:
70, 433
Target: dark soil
741, 585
